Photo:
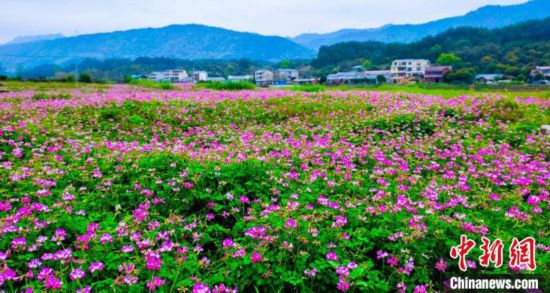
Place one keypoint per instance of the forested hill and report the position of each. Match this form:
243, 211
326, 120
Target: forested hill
190, 42
511, 50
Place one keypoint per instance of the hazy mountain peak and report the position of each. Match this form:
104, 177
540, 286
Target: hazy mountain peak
29, 39
491, 16
182, 41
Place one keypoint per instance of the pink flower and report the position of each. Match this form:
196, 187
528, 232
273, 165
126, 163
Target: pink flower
228, 242
342, 271
342, 286
256, 257
381, 254
18, 242
441, 265
95, 266
155, 283
332, 256
494, 197
201, 288
255, 232
53, 283
393, 261
421, 289
290, 223
77, 273
153, 261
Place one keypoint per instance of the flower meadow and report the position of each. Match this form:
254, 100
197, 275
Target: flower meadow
126, 189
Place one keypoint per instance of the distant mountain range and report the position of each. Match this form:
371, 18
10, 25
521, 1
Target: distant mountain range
190, 42
30, 39
490, 17
194, 42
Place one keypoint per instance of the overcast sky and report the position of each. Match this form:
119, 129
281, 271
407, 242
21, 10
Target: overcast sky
273, 17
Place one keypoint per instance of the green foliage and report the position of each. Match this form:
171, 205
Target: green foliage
309, 88
226, 86
465, 76
285, 64
448, 59
152, 84
380, 79
85, 78
44, 96
367, 64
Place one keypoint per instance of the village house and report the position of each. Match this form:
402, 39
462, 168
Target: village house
356, 76
403, 70
200, 76
435, 74
287, 75
543, 71
350, 77
156, 76
263, 78
373, 74
173, 75
306, 81
488, 78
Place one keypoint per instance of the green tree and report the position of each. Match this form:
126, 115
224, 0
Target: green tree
380, 79
85, 78
367, 64
448, 59
466, 75
285, 64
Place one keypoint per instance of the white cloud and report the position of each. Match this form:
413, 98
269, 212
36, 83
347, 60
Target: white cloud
280, 17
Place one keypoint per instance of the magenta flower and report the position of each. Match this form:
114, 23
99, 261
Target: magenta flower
256, 257
343, 286
290, 223
95, 266
332, 256
421, 289
155, 283
77, 273
53, 283
228, 242
393, 261
201, 288
153, 261
441, 265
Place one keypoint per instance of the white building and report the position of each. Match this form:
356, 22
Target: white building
237, 78
200, 76
287, 75
263, 78
408, 69
357, 77
173, 75
156, 76
542, 70
488, 78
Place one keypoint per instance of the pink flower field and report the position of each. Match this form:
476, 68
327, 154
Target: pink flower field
132, 190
